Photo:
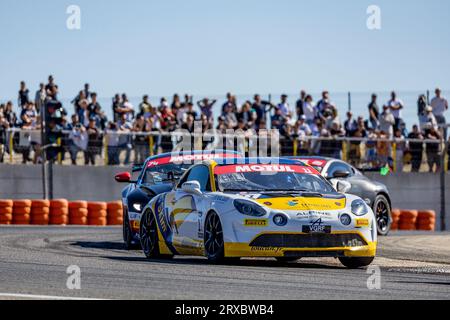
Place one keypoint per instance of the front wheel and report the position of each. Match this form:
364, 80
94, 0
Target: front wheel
382, 211
213, 239
356, 262
149, 235
128, 240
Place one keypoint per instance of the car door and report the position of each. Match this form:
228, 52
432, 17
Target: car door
187, 211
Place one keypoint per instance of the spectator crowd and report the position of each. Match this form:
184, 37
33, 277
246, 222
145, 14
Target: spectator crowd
312, 125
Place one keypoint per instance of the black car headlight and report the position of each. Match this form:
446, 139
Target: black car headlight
359, 207
249, 208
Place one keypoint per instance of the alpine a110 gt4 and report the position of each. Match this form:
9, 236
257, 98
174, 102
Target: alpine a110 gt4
261, 207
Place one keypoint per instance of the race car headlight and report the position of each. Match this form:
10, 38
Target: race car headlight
249, 208
359, 207
137, 207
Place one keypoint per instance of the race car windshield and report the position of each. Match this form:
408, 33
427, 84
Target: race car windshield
162, 173
279, 181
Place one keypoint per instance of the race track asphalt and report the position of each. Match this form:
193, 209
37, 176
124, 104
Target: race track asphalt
34, 261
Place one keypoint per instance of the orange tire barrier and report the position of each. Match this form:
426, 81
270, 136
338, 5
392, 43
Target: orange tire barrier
97, 213
94, 206
426, 220
59, 212
21, 211
78, 205
78, 221
6, 210
78, 213
407, 220
6, 203
115, 213
40, 210
407, 226
97, 221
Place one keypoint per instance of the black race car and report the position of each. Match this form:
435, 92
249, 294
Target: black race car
374, 193
157, 175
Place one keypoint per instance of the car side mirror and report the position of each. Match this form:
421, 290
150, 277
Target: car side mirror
123, 177
343, 186
191, 187
341, 174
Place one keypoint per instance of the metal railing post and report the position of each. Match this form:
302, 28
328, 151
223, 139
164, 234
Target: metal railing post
58, 142
294, 147
105, 149
11, 147
394, 157
151, 145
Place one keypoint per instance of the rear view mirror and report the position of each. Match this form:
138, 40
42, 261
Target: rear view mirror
123, 177
340, 174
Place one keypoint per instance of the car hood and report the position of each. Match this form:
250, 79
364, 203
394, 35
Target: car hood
301, 203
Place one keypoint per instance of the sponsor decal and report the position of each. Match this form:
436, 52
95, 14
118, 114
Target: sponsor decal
362, 222
313, 214
292, 203
316, 226
136, 224
263, 168
266, 249
188, 158
256, 222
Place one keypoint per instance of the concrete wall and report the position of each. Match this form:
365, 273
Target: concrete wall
408, 190
69, 182
417, 191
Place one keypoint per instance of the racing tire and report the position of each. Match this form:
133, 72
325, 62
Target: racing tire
356, 262
213, 239
148, 232
287, 259
382, 211
128, 242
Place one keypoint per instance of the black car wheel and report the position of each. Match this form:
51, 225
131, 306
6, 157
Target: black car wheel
213, 239
356, 262
128, 240
382, 211
149, 235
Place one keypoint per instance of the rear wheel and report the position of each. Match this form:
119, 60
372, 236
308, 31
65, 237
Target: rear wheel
356, 262
382, 211
149, 235
213, 239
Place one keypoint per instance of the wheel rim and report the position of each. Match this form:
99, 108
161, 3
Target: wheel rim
148, 232
382, 212
213, 236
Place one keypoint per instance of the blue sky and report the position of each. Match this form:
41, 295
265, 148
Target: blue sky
211, 47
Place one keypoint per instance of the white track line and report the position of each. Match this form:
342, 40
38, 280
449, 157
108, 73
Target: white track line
41, 297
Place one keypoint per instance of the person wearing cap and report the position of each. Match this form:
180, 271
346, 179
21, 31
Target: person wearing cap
430, 119
440, 105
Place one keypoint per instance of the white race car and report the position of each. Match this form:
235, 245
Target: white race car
258, 208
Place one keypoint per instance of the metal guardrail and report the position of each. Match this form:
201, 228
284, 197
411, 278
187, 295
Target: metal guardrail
364, 153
